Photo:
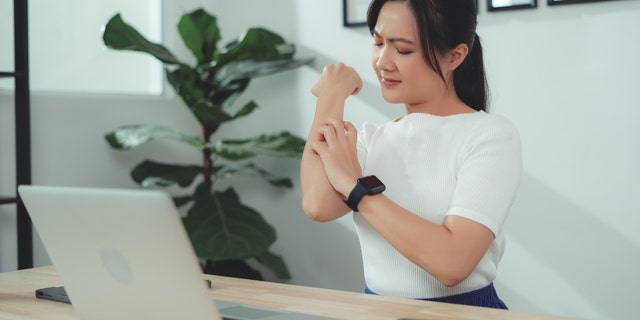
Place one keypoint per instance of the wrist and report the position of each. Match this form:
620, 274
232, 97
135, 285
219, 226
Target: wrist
332, 97
368, 185
348, 187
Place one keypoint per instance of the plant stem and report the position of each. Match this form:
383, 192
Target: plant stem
207, 162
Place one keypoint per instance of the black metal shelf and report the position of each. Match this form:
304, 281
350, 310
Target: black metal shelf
22, 116
7, 200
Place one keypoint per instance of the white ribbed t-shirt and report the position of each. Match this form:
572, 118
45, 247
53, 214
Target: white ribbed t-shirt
468, 165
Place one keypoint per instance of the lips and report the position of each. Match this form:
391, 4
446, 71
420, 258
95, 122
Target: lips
390, 82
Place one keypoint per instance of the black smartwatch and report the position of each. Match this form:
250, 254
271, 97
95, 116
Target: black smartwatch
366, 186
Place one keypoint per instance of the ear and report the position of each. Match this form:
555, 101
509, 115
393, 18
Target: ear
456, 56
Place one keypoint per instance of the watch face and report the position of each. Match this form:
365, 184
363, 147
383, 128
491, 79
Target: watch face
372, 184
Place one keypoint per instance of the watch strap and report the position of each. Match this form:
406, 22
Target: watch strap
365, 185
355, 196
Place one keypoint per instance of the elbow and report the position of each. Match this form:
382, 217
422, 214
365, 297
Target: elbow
314, 211
317, 216
451, 280
447, 274
452, 277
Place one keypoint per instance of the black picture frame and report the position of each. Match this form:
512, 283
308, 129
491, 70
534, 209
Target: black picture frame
562, 2
354, 13
492, 5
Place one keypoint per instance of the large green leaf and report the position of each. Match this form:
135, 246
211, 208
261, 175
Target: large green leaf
246, 110
200, 34
250, 169
282, 144
182, 200
272, 37
151, 173
187, 84
208, 110
224, 96
121, 36
210, 115
276, 264
222, 228
256, 44
131, 136
246, 69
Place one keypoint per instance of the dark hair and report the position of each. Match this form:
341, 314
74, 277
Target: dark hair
442, 25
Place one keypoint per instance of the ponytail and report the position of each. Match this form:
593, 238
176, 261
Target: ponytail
469, 78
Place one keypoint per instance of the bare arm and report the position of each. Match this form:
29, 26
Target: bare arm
320, 201
449, 251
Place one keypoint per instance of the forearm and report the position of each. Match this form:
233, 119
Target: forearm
319, 199
449, 251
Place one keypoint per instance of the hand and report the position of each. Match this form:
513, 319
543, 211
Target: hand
335, 143
338, 79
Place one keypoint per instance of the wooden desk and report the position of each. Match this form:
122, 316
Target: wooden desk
17, 300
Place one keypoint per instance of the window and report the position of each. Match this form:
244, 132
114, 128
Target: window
66, 52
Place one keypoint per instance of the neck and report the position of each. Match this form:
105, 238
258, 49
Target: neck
449, 104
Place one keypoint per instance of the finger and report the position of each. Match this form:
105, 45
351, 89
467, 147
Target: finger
339, 130
331, 121
352, 132
327, 134
319, 148
320, 135
349, 126
352, 140
334, 123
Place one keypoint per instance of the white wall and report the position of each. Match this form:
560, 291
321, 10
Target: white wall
567, 76
561, 74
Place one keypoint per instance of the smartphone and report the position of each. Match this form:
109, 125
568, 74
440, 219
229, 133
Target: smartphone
58, 293
54, 294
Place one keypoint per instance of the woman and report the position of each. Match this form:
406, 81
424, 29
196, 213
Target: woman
430, 190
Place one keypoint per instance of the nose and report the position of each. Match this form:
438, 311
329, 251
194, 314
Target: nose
383, 59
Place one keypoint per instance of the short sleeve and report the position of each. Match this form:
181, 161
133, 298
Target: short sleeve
490, 170
365, 135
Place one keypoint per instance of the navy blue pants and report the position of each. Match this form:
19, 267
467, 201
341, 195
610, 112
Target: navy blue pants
483, 297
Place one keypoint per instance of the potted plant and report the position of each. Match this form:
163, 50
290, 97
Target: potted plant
225, 233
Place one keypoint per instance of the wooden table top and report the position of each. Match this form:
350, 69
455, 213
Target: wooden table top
18, 301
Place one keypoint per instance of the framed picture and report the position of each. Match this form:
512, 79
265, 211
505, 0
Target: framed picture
556, 2
355, 12
499, 5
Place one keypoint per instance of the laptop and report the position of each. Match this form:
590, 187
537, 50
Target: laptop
124, 254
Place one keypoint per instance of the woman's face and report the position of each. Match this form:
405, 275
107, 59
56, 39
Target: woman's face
398, 59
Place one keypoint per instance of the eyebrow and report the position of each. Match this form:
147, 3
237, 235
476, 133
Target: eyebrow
394, 39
